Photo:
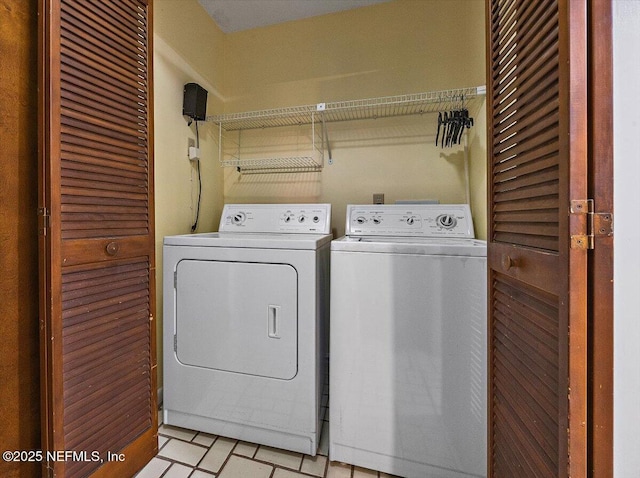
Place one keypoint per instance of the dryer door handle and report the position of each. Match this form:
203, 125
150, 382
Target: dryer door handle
273, 319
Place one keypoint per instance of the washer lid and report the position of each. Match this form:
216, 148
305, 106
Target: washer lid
410, 220
250, 240
412, 245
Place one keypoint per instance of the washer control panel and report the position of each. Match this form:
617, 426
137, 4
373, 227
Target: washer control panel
410, 220
277, 218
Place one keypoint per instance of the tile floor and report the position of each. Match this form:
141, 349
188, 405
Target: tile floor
191, 454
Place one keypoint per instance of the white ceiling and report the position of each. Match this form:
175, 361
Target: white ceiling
238, 15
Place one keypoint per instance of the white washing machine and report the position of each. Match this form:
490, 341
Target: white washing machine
246, 325
408, 342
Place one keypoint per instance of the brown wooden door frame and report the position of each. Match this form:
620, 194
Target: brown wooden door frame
600, 357
576, 133
19, 352
45, 108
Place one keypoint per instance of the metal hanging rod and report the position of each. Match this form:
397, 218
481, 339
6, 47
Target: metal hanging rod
288, 163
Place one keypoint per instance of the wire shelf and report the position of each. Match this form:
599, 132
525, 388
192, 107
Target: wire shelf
319, 114
400, 105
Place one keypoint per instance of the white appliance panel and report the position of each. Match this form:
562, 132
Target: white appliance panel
276, 218
408, 373
237, 317
410, 220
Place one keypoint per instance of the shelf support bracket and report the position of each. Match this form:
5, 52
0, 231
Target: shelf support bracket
325, 140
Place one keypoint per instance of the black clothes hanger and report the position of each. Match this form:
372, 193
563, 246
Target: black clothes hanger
452, 124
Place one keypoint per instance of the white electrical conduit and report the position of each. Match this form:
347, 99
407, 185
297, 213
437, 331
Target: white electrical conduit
467, 186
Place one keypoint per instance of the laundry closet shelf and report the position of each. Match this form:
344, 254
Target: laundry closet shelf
319, 114
400, 105
297, 164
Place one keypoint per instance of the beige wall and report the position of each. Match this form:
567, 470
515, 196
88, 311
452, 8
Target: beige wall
404, 46
181, 56
392, 48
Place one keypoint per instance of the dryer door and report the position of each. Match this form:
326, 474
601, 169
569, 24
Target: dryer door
237, 317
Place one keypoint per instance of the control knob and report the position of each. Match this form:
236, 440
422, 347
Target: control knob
287, 217
447, 221
238, 218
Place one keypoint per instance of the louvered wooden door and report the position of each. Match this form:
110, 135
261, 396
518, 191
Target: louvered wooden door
537, 85
97, 241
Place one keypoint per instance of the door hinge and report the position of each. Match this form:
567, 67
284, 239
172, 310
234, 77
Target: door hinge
595, 224
43, 221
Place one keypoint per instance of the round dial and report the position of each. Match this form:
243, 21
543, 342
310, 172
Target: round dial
287, 217
447, 221
301, 219
238, 218
411, 220
360, 220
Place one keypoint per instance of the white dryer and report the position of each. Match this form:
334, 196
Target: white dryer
246, 325
408, 342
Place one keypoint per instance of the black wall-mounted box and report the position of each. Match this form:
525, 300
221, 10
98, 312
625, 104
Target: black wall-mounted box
194, 103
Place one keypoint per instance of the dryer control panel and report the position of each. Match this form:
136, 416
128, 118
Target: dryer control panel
410, 220
276, 218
